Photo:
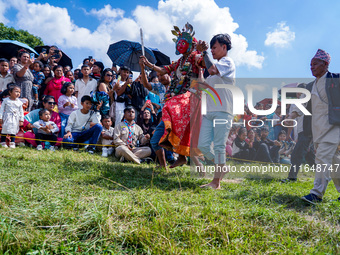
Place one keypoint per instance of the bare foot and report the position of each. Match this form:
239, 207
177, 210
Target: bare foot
210, 186
179, 162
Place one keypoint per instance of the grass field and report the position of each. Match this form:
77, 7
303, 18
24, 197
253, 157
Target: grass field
73, 203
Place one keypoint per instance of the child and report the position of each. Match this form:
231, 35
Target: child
240, 147
67, 103
39, 77
5, 77
83, 125
286, 148
46, 129
85, 85
11, 116
107, 135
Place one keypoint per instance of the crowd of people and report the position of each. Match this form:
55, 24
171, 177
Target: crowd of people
46, 105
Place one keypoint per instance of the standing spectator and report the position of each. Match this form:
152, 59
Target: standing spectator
137, 93
85, 85
67, 103
5, 77
39, 77
12, 62
66, 69
76, 74
97, 70
104, 83
54, 86
84, 125
326, 136
48, 77
120, 96
11, 116
69, 75
24, 77
128, 136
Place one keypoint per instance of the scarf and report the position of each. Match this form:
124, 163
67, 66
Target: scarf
131, 128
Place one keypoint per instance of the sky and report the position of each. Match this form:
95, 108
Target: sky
270, 38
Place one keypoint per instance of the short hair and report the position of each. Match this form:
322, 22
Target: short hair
41, 65
129, 108
100, 65
42, 111
222, 39
83, 66
85, 59
64, 87
124, 68
241, 131
48, 98
105, 117
58, 66
11, 86
86, 98
4, 60
282, 132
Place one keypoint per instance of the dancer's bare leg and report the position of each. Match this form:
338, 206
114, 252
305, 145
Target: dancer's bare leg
179, 162
218, 176
161, 158
198, 164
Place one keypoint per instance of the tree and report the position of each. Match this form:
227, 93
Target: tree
10, 33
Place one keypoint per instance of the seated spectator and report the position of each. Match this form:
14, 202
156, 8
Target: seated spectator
240, 146
83, 125
267, 150
147, 120
33, 116
5, 77
250, 140
286, 148
54, 86
47, 129
85, 85
128, 136
106, 137
39, 77
231, 138
67, 104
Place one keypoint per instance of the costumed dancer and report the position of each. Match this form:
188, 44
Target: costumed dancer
173, 133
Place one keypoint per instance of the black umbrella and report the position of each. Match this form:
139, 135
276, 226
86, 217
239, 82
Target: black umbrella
64, 61
10, 48
161, 58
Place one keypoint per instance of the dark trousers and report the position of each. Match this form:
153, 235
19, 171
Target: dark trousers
299, 153
3, 138
51, 137
242, 154
266, 154
91, 135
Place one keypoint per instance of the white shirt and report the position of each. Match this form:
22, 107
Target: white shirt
5, 80
226, 69
84, 89
77, 120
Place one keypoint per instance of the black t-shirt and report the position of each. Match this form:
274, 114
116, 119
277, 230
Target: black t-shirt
138, 93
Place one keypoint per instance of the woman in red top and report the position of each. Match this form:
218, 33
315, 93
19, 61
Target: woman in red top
54, 86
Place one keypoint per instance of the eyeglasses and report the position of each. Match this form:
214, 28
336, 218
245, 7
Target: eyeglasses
110, 75
52, 103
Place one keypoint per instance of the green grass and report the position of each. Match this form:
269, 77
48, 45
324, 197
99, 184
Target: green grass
73, 203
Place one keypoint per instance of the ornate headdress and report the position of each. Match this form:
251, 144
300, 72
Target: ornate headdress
186, 34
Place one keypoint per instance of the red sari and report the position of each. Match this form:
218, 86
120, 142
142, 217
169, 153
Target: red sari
54, 86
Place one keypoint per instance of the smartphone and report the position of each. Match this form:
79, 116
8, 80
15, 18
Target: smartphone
148, 101
43, 50
32, 55
56, 51
90, 58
